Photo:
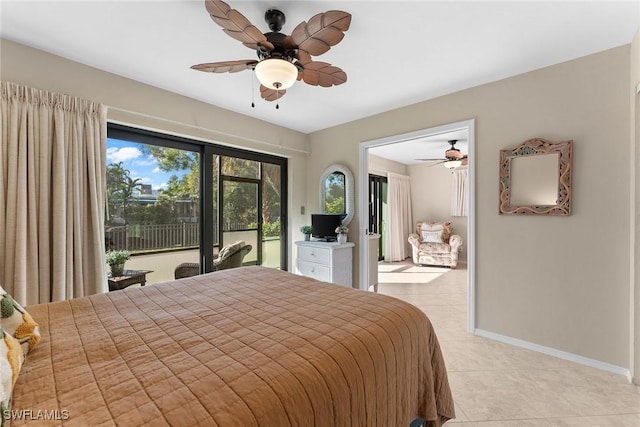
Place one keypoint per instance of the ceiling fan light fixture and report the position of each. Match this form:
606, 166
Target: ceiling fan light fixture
451, 164
276, 73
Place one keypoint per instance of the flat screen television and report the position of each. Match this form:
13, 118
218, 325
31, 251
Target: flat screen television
323, 226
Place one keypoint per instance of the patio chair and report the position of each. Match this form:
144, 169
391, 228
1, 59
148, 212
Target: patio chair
230, 256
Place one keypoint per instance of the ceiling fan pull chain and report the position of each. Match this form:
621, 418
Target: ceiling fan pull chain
253, 91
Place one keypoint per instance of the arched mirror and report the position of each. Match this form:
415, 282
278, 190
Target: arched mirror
337, 192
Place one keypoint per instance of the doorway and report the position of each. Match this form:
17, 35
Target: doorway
364, 200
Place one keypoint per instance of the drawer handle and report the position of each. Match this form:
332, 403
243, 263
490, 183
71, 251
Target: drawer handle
313, 254
313, 270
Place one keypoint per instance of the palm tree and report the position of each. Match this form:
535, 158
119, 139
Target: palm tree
129, 185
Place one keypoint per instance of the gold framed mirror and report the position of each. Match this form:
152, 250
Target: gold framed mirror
535, 178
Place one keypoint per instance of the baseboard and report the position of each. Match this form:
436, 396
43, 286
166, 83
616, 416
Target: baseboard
558, 353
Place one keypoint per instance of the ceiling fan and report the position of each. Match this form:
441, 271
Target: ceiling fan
453, 158
282, 59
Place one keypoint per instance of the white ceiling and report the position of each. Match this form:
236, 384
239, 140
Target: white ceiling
395, 53
429, 149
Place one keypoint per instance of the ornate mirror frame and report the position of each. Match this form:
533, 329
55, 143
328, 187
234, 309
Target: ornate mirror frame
535, 147
349, 195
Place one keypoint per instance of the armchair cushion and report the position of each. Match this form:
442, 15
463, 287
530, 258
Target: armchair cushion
432, 236
229, 250
436, 248
444, 229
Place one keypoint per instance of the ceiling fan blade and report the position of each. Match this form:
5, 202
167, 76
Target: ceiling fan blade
288, 43
433, 161
265, 46
464, 161
236, 25
226, 66
271, 94
321, 32
323, 74
303, 57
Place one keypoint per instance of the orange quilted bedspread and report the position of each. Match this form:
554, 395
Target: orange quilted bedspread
243, 347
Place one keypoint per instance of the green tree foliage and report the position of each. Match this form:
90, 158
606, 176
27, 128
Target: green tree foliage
121, 188
179, 187
240, 198
271, 195
335, 193
269, 229
157, 213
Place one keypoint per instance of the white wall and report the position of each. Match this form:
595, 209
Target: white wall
560, 282
634, 224
431, 198
381, 166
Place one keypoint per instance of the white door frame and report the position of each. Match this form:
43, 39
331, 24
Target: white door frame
363, 204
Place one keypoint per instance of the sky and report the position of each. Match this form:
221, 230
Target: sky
140, 165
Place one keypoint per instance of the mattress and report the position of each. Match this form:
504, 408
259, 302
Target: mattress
249, 346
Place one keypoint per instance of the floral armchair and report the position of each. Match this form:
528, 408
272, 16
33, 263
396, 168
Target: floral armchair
435, 244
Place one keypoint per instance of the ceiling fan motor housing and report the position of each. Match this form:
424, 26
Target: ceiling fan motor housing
277, 40
453, 153
275, 19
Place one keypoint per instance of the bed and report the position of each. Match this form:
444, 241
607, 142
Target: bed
250, 346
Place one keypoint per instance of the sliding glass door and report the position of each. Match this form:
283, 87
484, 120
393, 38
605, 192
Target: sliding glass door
240, 214
174, 200
378, 210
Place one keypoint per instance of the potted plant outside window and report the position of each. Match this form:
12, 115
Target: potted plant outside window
116, 260
306, 230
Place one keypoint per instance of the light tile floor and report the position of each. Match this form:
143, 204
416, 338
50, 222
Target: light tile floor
495, 384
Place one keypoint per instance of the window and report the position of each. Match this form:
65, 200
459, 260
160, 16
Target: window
172, 200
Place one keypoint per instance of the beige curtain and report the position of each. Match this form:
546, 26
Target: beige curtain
399, 224
459, 190
52, 189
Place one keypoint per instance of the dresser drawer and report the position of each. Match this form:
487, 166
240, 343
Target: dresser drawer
316, 271
319, 255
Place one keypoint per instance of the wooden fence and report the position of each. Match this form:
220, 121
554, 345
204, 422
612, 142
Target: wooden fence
153, 237
138, 237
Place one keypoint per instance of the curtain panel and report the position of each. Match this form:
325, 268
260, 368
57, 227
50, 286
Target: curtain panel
52, 190
459, 190
400, 224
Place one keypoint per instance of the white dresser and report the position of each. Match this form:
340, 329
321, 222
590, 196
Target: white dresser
326, 261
